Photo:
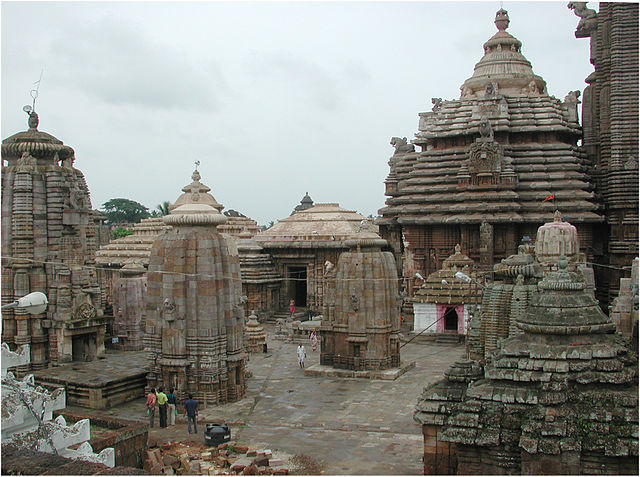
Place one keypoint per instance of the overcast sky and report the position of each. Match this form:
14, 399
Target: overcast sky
273, 98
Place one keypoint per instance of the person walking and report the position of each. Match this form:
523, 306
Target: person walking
292, 306
314, 341
151, 405
171, 407
162, 407
301, 355
191, 412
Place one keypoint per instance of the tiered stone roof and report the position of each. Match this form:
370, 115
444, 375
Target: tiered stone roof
321, 226
496, 153
135, 246
443, 287
256, 265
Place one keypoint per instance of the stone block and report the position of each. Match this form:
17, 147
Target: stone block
251, 469
261, 460
240, 464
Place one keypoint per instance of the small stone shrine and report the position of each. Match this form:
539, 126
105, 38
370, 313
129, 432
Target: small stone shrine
48, 245
255, 337
559, 398
493, 166
443, 302
129, 292
361, 314
194, 307
261, 282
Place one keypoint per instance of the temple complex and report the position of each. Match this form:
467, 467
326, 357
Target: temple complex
300, 245
558, 393
194, 310
610, 139
48, 245
443, 302
493, 166
361, 309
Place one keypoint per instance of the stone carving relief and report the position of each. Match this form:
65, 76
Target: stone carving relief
490, 89
437, 104
27, 159
354, 296
401, 146
85, 311
485, 157
531, 89
169, 309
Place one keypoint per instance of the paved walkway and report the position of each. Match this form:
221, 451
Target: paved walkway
351, 426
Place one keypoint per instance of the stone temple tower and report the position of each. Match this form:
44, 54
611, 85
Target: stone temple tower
194, 309
361, 309
48, 245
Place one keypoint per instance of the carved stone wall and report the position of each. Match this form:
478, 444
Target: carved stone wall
610, 120
195, 315
48, 244
361, 320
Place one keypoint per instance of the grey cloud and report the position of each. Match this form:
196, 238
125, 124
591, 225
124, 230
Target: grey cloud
114, 62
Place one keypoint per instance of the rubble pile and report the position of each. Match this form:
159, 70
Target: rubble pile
191, 458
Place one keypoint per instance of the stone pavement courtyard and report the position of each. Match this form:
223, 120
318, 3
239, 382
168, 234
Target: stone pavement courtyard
350, 426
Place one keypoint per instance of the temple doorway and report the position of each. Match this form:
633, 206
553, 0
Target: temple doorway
84, 347
298, 284
451, 320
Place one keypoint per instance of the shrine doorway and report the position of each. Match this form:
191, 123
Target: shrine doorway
84, 347
451, 320
298, 284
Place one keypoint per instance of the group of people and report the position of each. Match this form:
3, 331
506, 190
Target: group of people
302, 354
167, 410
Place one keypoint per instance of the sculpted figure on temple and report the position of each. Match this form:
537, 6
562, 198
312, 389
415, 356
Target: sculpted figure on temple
401, 146
486, 131
490, 89
437, 104
587, 15
531, 89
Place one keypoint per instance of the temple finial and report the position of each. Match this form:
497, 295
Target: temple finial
502, 19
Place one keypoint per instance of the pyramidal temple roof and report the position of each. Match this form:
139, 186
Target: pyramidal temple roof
496, 153
327, 224
504, 63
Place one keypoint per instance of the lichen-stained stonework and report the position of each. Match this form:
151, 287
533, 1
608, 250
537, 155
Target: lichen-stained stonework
361, 314
488, 161
48, 245
560, 398
195, 315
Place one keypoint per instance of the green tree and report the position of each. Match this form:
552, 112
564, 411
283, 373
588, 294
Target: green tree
163, 209
120, 211
120, 232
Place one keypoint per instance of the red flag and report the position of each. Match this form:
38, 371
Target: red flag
552, 196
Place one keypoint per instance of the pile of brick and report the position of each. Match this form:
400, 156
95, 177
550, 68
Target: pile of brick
182, 458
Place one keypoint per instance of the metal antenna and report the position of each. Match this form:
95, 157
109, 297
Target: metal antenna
197, 164
34, 92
